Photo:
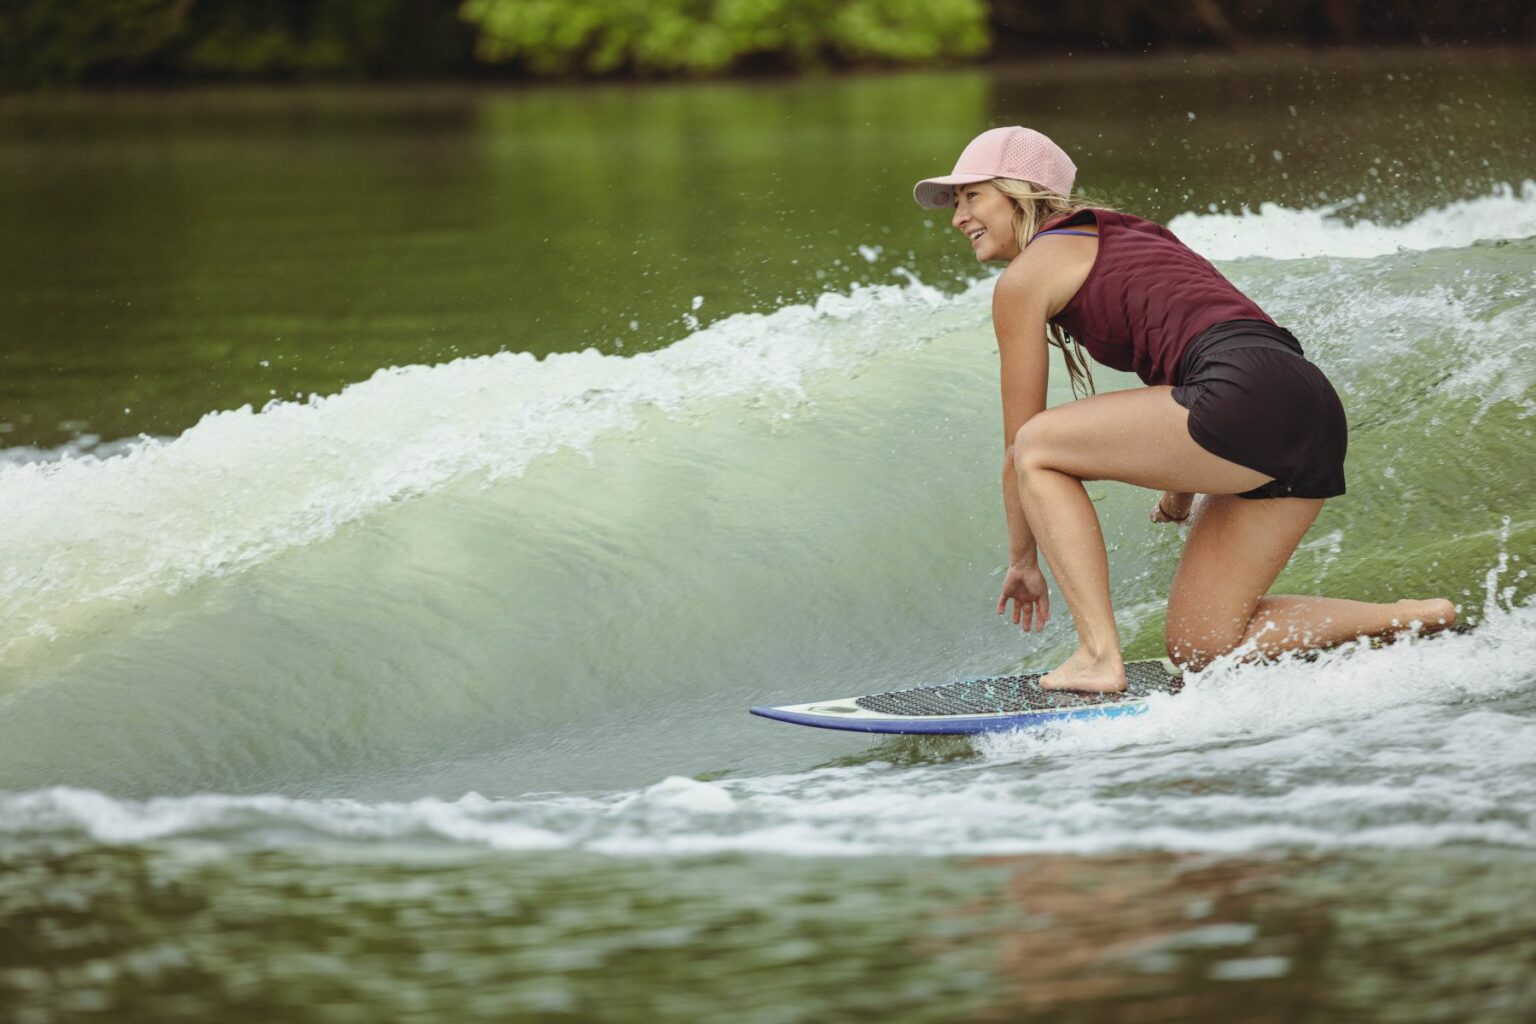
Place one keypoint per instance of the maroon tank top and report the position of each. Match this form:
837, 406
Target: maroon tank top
1146, 297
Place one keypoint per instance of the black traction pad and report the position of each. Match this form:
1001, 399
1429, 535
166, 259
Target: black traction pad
1016, 694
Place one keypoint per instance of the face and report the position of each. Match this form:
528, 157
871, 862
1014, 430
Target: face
985, 216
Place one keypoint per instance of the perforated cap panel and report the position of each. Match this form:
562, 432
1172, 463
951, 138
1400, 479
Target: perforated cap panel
1030, 156
1012, 152
1016, 694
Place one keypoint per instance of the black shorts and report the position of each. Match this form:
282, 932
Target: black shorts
1255, 400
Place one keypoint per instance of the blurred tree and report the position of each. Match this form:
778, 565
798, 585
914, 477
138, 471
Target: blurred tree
1022, 26
351, 38
704, 36
53, 41
46, 42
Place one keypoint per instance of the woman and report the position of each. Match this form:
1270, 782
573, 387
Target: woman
1231, 410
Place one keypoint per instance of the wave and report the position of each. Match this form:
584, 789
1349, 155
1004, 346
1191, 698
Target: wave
139, 518
243, 485
134, 518
1280, 233
1434, 759
473, 576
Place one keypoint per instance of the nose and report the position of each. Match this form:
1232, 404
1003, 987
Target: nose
959, 218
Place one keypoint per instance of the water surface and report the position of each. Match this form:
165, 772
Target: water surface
505, 446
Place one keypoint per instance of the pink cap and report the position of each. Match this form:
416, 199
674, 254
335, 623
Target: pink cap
1011, 152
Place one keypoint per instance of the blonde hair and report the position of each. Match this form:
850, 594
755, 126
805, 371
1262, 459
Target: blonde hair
1033, 207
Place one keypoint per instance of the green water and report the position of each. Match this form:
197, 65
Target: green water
332, 937
426, 702
169, 254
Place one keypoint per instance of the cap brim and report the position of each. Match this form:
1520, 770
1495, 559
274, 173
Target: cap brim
932, 193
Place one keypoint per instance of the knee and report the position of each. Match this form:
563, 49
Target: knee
1186, 656
1193, 648
1031, 446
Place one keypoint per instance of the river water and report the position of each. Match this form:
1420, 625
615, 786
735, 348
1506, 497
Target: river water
407, 492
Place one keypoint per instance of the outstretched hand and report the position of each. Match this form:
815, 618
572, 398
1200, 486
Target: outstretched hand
1025, 587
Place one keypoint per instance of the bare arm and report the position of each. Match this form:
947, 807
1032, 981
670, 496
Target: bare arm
1021, 542
1018, 316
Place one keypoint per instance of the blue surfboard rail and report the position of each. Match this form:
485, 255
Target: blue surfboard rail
956, 725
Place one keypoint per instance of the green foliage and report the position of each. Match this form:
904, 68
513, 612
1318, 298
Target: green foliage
59, 42
45, 42
705, 36
269, 38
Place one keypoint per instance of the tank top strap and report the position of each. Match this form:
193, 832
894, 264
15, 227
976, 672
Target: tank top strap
1067, 220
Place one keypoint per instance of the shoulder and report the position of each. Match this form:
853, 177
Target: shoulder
1021, 299
1025, 281
1045, 276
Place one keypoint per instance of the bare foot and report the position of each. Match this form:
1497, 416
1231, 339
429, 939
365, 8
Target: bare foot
1088, 674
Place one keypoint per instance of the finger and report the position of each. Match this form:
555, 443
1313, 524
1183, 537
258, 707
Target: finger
1002, 603
1027, 617
1045, 608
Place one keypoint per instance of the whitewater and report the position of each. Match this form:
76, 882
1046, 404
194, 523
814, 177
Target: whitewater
522, 604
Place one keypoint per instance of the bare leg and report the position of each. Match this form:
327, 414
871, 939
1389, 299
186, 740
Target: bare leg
1216, 604
1236, 548
1137, 436
1283, 623
1062, 518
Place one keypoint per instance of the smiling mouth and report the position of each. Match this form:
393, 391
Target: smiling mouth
976, 234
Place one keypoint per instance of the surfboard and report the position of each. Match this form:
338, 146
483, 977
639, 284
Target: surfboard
971, 706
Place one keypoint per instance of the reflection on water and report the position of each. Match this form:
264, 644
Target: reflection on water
182, 933
1166, 935
1380, 936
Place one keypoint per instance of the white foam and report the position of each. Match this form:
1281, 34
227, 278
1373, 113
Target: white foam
1352, 688
241, 486
677, 792
992, 815
1278, 232
1410, 747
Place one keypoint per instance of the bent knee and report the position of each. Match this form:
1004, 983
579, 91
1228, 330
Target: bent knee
1193, 648
1036, 445
1189, 657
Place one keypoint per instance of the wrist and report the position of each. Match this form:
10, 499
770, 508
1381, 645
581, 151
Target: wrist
1175, 510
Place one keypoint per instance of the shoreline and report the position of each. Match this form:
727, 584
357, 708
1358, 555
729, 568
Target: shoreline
1057, 66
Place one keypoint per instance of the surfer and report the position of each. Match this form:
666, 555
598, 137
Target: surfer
1231, 410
